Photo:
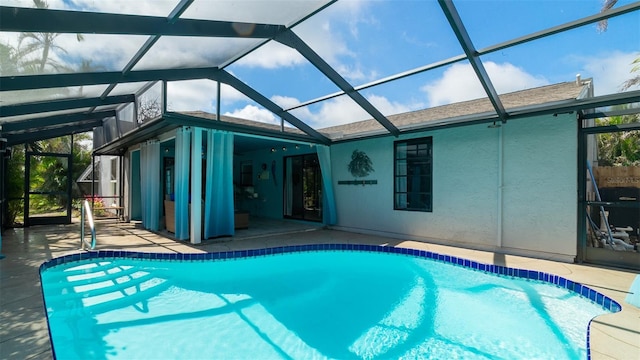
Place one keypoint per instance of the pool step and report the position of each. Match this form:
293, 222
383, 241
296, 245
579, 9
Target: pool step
100, 286
79, 270
82, 307
96, 289
90, 277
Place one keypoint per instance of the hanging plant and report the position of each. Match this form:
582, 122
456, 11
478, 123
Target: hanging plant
360, 165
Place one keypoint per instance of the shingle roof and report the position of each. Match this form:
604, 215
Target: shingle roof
445, 113
438, 115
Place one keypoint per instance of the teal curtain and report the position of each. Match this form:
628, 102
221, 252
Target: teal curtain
219, 207
150, 184
329, 216
136, 189
182, 162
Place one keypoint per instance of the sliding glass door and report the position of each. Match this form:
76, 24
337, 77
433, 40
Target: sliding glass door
303, 188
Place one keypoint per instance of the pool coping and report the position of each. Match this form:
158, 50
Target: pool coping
598, 298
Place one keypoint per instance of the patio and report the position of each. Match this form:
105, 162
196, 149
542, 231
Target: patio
24, 333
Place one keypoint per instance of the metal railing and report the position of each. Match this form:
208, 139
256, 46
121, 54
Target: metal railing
85, 212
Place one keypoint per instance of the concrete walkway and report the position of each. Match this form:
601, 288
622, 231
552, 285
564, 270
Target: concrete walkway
23, 327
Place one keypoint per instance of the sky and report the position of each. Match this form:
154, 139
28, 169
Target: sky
364, 41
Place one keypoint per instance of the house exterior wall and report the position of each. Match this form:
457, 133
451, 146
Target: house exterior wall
539, 188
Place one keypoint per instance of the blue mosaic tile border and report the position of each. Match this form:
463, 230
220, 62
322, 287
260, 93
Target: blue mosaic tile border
583, 290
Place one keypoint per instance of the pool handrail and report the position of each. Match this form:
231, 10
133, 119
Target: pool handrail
86, 208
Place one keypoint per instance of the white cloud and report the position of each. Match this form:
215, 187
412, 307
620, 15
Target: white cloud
252, 112
202, 95
229, 95
182, 52
393, 107
191, 95
460, 83
113, 57
22, 3
608, 70
285, 102
139, 7
251, 11
272, 55
341, 110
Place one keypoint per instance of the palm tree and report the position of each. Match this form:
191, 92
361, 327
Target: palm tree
619, 148
40, 43
602, 27
606, 5
8, 59
634, 81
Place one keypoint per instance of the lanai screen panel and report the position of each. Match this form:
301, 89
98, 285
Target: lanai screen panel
281, 12
282, 74
33, 53
369, 40
193, 95
603, 51
140, 7
61, 93
180, 52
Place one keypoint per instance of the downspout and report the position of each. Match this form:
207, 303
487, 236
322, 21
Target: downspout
218, 102
500, 185
195, 223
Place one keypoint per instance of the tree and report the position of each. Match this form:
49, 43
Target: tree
606, 5
8, 59
15, 185
33, 56
634, 81
41, 44
602, 27
620, 148
148, 109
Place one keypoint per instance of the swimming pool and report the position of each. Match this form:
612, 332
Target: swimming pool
312, 301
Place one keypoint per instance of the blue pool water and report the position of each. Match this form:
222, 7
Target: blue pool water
304, 305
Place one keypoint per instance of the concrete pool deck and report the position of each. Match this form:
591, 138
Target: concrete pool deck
23, 326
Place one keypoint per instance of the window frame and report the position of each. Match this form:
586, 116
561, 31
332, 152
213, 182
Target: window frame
428, 140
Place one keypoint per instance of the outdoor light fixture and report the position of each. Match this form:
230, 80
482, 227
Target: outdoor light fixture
273, 149
284, 148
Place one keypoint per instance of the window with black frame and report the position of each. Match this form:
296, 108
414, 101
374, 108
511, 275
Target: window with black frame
413, 172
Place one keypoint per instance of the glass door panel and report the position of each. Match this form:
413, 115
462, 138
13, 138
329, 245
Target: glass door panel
303, 188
